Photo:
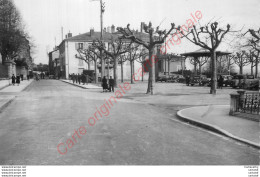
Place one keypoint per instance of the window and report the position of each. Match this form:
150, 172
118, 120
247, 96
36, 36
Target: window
79, 46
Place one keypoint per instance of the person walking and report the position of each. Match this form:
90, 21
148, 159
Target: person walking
111, 84
79, 79
73, 78
104, 84
188, 80
220, 81
82, 76
13, 79
76, 78
18, 80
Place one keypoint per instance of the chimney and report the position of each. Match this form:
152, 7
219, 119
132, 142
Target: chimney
142, 27
92, 32
69, 34
113, 29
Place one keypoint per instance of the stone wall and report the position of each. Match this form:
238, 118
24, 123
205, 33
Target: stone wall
3, 71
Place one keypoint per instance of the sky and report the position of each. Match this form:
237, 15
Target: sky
45, 18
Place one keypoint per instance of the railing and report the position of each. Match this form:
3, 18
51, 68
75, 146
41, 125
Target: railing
245, 103
249, 103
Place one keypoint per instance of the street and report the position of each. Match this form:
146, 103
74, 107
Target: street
134, 133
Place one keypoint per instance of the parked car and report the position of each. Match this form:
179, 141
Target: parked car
195, 80
254, 84
227, 80
242, 81
174, 78
205, 81
163, 78
181, 79
199, 80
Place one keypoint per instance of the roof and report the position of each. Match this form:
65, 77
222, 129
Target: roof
106, 36
204, 52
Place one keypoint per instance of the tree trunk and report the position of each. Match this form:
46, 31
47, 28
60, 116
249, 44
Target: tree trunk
96, 77
252, 68
122, 71
195, 68
102, 66
213, 89
131, 71
88, 65
115, 71
200, 68
256, 67
169, 66
142, 72
241, 69
165, 62
151, 73
108, 73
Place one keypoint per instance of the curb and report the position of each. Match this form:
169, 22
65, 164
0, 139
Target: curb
73, 84
1, 88
27, 86
78, 85
215, 129
6, 104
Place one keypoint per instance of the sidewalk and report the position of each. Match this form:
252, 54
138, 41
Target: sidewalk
5, 98
216, 118
86, 86
17, 88
4, 83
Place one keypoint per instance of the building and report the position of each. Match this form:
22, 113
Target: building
169, 63
70, 63
54, 62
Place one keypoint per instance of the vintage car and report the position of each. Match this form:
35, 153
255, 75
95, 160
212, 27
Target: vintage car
163, 78
195, 80
175, 78
227, 80
199, 80
243, 81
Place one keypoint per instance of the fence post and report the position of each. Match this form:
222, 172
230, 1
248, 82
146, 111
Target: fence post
234, 101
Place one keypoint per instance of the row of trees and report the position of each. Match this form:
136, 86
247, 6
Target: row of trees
13, 37
226, 63
130, 46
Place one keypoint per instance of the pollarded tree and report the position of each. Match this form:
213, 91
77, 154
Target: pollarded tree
241, 60
116, 47
142, 59
156, 37
215, 34
254, 42
89, 54
135, 53
253, 57
84, 54
123, 58
200, 62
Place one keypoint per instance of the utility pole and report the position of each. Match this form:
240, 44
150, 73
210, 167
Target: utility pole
102, 10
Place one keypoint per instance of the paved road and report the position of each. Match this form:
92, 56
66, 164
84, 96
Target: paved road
134, 133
